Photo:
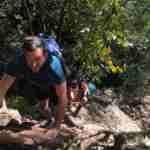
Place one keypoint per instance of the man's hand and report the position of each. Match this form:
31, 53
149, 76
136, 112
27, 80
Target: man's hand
51, 133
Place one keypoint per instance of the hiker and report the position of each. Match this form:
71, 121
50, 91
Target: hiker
44, 72
80, 90
75, 91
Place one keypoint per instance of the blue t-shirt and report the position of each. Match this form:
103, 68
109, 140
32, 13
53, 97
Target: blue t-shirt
49, 75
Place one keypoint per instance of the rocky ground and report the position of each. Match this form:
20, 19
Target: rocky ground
104, 122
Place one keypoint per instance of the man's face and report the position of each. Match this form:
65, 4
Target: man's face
35, 59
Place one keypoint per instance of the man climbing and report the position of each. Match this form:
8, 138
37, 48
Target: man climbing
45, 72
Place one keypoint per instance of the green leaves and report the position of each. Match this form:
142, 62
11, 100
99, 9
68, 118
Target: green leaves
85, 25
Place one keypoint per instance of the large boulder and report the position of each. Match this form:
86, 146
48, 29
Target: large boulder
118, 121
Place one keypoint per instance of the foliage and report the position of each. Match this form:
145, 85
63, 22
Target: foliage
86, 25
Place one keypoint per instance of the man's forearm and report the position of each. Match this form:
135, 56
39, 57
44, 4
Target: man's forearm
5, 83
61, 91
61, 111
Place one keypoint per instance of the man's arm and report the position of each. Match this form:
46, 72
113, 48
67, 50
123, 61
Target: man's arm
5, 84
61, 91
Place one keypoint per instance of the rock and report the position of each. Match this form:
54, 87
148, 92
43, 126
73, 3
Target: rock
146, 99
6, 115
146, 141
108, 92
94, 128
118, 121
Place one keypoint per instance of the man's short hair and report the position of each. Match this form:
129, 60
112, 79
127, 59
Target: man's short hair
31, 43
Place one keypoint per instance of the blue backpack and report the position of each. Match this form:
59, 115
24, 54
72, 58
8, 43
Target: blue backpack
53, 48
50, 44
